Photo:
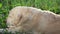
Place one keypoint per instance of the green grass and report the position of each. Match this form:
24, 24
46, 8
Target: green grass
6, 5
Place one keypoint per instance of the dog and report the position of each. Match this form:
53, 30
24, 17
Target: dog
24, 19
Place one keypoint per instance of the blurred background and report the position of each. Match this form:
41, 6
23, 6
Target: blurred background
6, 5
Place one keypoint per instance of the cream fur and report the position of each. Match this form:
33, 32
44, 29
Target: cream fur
38, 21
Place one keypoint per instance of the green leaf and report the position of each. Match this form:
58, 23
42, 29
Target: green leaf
0, 5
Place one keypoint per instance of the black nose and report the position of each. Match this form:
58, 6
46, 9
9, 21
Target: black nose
7, 27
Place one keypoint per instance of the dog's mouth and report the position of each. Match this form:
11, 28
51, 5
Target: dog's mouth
12, 29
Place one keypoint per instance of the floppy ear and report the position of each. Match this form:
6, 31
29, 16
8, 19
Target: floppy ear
22, 20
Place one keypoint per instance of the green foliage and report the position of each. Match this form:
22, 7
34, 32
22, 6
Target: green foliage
0, 5
6, 5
